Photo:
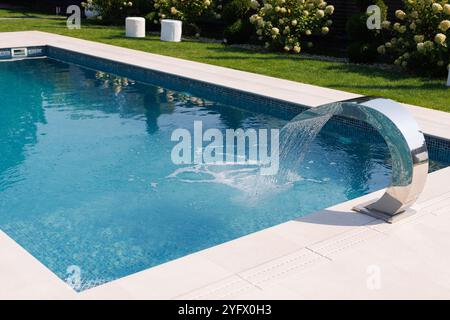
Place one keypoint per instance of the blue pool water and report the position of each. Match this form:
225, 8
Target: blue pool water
86, 177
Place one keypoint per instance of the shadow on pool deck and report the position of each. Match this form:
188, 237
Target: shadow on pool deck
338, 218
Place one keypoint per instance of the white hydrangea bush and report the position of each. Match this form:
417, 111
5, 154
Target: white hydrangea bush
185, 10
289, 24
420, 36
111, 10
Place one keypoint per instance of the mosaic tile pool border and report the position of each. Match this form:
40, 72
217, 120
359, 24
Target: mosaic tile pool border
33, 52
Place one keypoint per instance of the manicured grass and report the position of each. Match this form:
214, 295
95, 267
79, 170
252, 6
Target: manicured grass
367, 80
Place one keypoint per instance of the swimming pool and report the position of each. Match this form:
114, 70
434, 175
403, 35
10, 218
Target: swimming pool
86, 178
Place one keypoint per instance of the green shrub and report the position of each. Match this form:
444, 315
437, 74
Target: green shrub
143, 7
185, 10
235, 10
288, 24
238, 32
361, 52
357, 29
236, 14
188, 11
110, 11
420, 38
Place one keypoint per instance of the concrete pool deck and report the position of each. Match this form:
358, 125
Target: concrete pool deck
333, 253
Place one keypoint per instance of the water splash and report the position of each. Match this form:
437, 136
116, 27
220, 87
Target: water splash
246, 179
296, 138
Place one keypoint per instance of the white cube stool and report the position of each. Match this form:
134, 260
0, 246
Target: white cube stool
171, 30
135, 27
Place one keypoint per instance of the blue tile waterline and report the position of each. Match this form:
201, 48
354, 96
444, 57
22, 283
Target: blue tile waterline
85, 172
32, 52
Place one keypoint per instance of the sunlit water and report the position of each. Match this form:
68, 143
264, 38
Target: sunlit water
86, 177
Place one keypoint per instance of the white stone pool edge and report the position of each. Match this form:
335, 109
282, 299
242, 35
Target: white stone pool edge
334, 253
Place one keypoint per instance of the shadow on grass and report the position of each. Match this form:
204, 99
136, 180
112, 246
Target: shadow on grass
425, 86
389, 74
122, 36
262, 54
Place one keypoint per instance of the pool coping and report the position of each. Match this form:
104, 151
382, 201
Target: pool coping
244, 267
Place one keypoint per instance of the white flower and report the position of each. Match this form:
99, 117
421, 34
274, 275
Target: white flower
436, 7
447, 9
428, 45
297, 49
419, 38
381, 49
420, 47
400, 14
440, 38
386, 24
444, 25
320, 14
275, 31
325, 30
329, 9
254, 4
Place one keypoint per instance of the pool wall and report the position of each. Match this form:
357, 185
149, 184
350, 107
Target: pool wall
439, 148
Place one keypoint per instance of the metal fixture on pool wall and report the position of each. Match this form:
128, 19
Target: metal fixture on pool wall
408, 151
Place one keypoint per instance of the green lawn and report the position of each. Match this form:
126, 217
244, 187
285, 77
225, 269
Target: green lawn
430, 93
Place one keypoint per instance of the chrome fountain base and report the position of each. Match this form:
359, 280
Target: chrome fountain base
364, 209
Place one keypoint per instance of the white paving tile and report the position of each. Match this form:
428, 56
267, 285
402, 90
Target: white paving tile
24, 277
166, 281
246, 252
223, 289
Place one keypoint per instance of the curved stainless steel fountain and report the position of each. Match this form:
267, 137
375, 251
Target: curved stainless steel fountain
408, 150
